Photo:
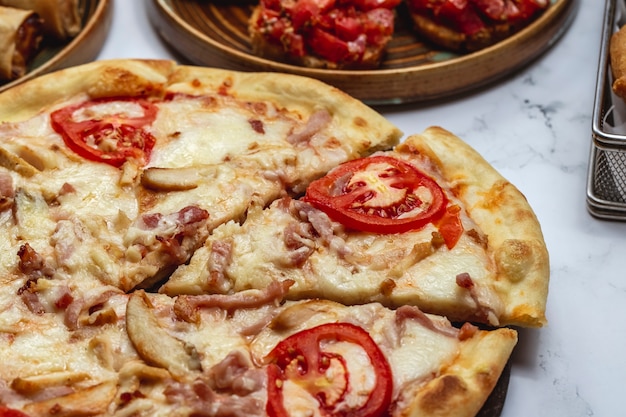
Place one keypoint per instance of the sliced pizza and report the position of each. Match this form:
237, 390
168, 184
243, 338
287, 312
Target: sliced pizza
430, 224
132, 163
215, 355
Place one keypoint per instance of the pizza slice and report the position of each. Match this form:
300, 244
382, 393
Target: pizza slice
150, 354
429, 224
131, 165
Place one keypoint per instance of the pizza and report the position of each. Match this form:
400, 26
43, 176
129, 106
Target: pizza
470, 25
175, 241
323, 34
460, 241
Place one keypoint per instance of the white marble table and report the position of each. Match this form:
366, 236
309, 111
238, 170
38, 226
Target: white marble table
534, 127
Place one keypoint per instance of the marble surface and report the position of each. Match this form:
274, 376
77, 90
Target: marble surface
534, 127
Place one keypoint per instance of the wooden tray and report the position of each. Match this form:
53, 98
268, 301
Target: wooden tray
215, 34
84, 47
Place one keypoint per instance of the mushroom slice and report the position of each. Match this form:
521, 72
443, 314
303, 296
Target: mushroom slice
87, 402
170, 179
33, 384
154, 345
12, 162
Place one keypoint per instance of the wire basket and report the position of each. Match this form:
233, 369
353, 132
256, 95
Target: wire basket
606, 186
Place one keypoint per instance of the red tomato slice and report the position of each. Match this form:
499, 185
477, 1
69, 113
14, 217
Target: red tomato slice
9, 412
111, 138
379, 194
299, 358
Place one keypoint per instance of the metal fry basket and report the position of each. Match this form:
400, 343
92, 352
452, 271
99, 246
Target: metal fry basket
606, 185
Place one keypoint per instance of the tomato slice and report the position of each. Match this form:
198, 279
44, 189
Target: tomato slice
301, 359
113, 137
379, 194
10, 412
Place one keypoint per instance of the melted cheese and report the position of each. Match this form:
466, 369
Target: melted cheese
194, 135
353, 267
75, 214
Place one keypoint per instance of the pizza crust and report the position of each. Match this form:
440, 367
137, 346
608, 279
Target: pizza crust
96, 79
464, 385
503, 213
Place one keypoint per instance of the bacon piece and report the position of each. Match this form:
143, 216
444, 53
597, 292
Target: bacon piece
318, 219
81, 305
163, 241
298, 239
7, 192
34, 266
185, 306
235, 374
257, 125
203, 400
464, 280
317, 121
467, 331
219, 258
483, 313
31, 299
32, 263
323, 226
407, 312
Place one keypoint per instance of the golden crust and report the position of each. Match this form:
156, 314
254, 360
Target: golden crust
137, 77
617, 56
504, 215
466, 383
96, 79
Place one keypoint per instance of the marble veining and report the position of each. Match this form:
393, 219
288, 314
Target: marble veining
534, 127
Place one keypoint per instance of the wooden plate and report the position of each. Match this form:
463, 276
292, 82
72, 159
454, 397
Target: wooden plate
84, 47
215, 34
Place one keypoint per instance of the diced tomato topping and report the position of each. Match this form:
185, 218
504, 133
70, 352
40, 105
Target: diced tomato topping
336, 30
470, 16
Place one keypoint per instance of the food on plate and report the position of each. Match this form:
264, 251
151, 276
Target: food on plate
118, 177
430, 224
323, 34
62, 19
470, 25
20, 36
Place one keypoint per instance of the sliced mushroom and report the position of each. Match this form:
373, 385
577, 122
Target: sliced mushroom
154, 345
12, 162
170, 179
33, 384
87, 402
41, 159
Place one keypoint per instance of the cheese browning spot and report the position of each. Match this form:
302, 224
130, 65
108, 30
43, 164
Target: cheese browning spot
514, 259
360, 122
442, 392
